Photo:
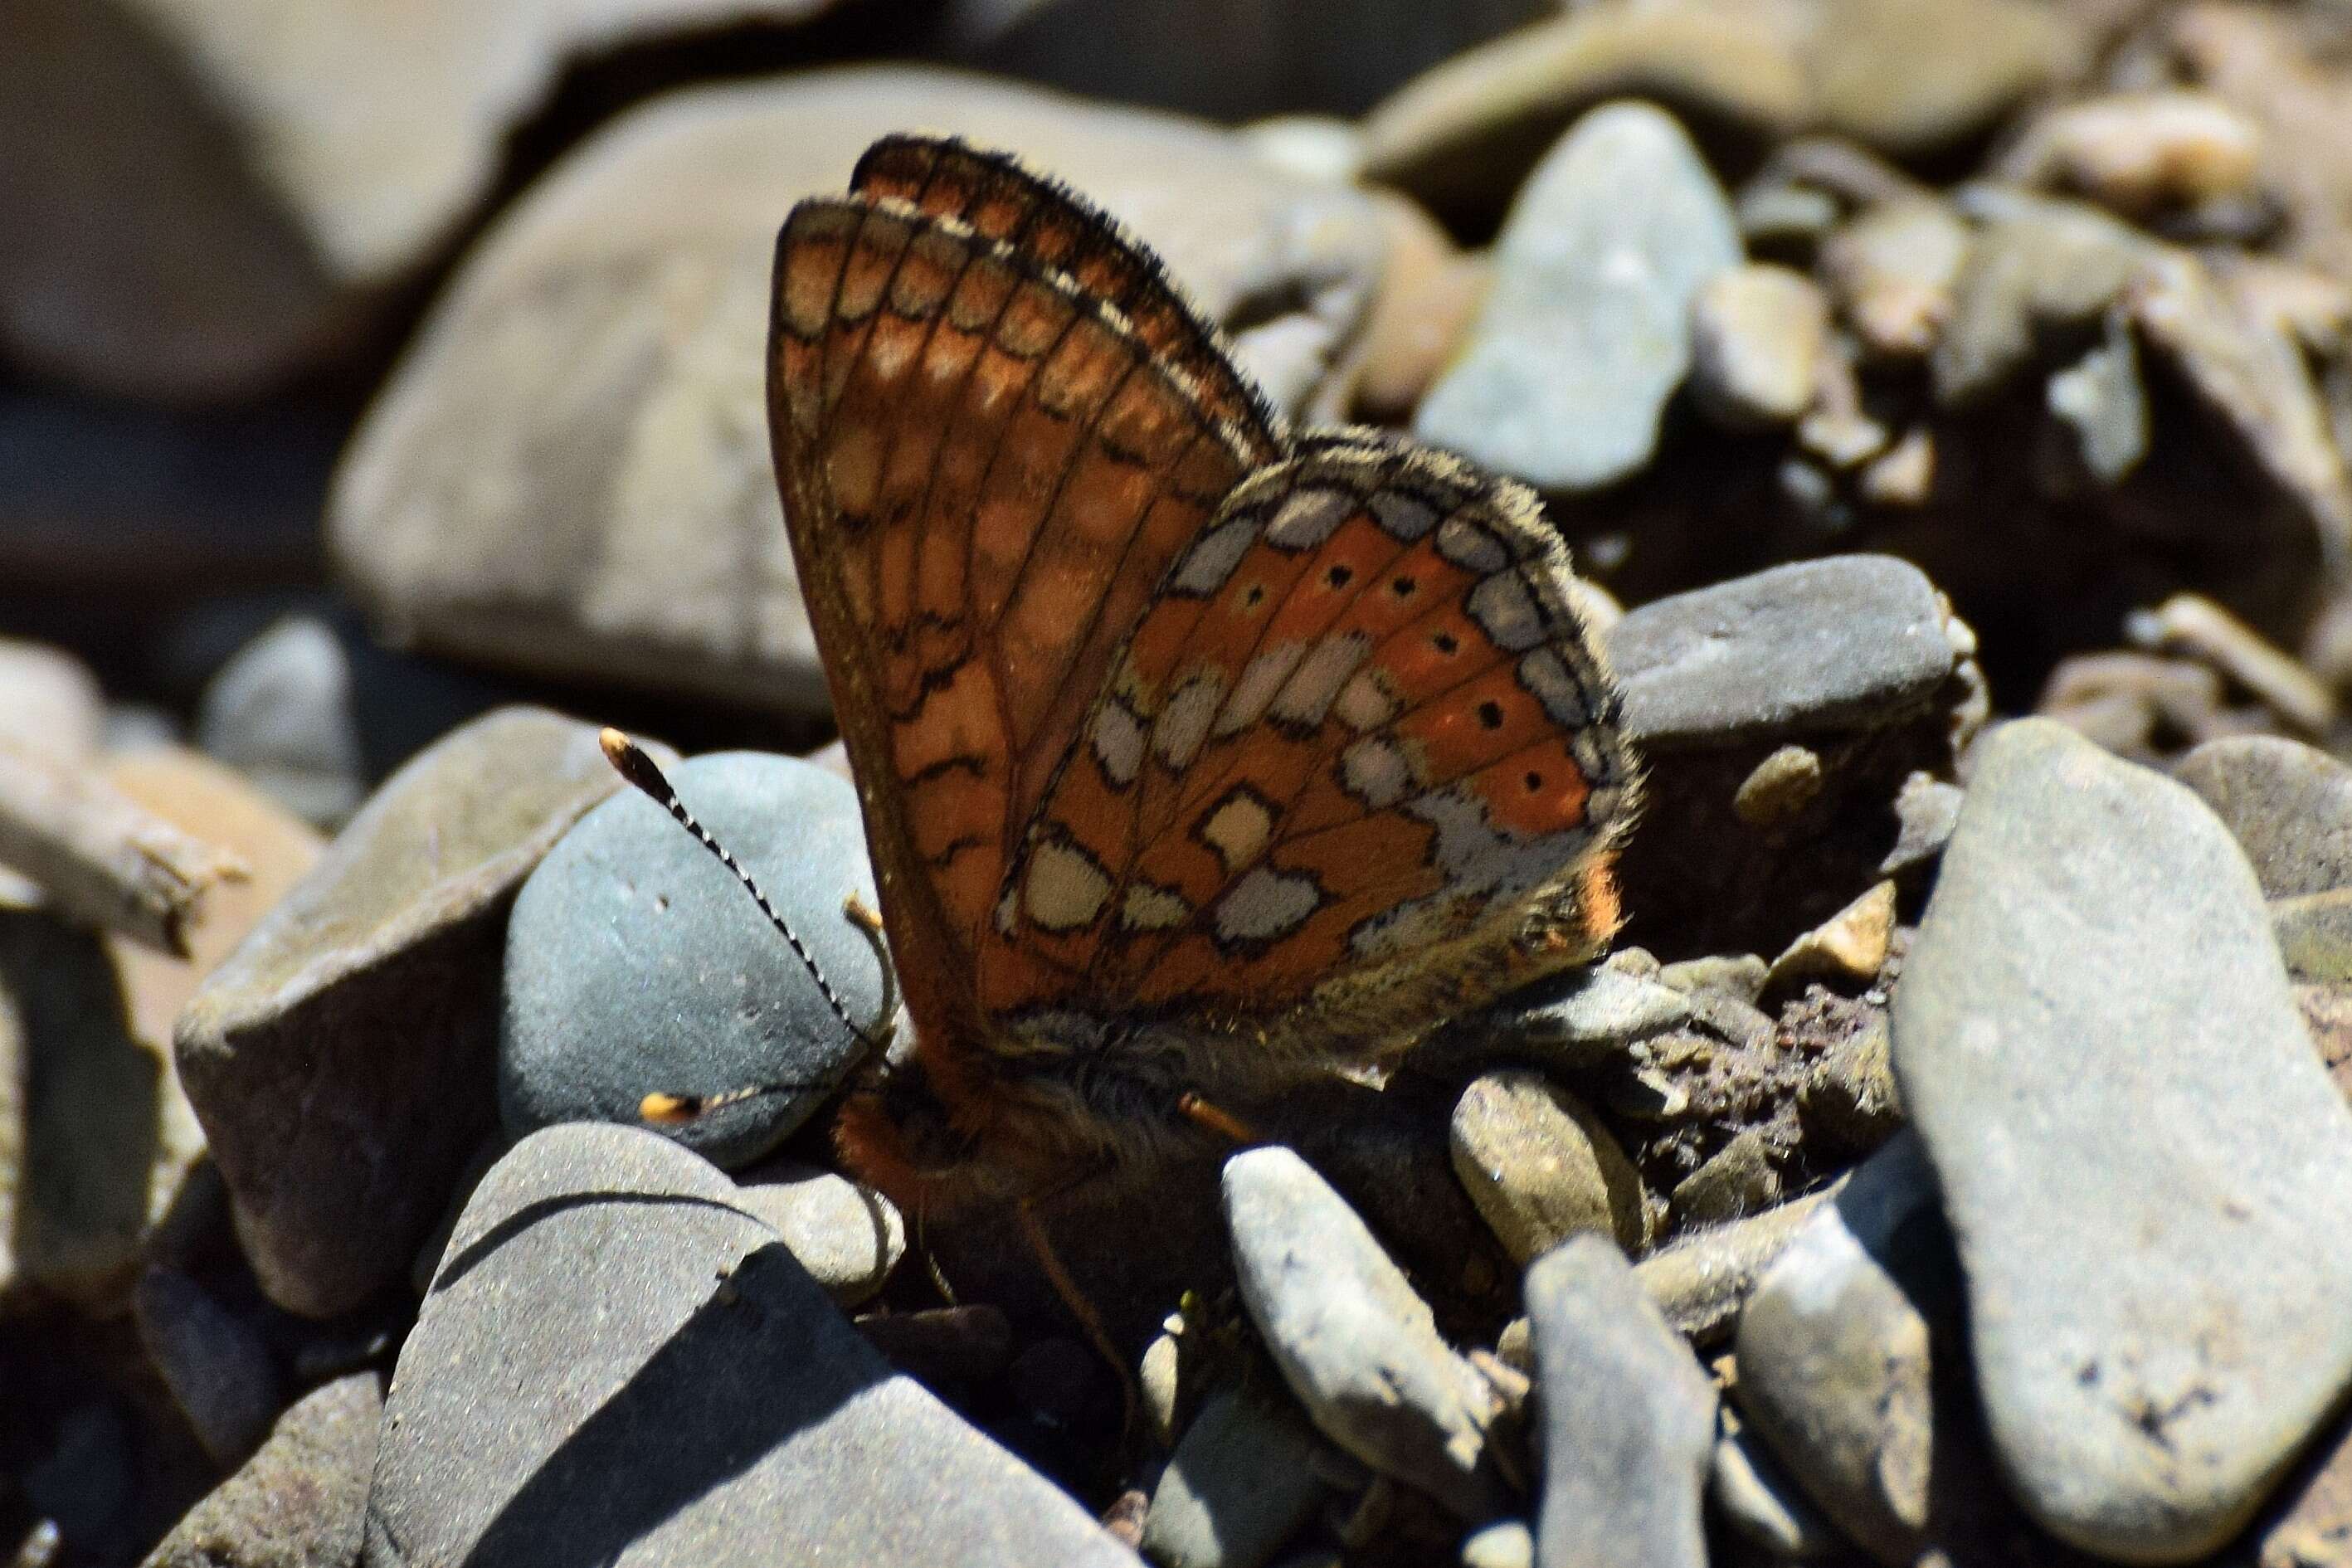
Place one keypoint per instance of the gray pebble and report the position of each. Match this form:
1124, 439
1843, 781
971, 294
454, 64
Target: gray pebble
636, 963
215, 1364
2288, 805
1628, 1418
1835, 1365
2148, 1170
1238, 1486
280, 712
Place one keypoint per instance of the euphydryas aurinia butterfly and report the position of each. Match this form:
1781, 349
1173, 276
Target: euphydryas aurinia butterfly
1197, 758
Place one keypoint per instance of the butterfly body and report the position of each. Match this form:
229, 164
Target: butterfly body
1197, 759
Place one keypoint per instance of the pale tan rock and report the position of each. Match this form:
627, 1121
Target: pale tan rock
570, 473
1893, 270
1850, 947
109, 1134
2136, 152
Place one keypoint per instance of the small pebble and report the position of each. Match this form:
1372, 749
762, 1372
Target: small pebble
1356, 1346
1541, 1167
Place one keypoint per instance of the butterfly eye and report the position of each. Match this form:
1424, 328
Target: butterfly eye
1490, 713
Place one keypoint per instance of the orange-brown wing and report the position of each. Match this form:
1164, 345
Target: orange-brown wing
1360, 746
985, 469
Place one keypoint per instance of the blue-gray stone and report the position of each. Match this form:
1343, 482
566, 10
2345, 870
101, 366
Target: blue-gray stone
1586, 331
637, 965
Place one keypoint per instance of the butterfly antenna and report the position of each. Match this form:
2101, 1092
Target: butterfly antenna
632, 762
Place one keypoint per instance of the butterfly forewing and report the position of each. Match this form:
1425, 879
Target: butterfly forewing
986, 470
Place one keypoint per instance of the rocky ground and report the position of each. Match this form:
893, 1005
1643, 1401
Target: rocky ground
1948, 401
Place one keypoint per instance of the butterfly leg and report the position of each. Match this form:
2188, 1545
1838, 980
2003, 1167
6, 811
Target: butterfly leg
1216, 1119
1033, 1230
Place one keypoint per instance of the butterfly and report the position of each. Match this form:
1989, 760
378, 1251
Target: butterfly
1198, 758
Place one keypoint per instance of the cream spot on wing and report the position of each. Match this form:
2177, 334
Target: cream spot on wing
1266, 905
1376, 771
1118, 742
1545, 674
1147, 908
1184, 724
1213, 558
1507, 612
1470, 546
1365, 702
1404, 517
1311, 690
1066, 890
1237, 828
1308, 518
1261, 678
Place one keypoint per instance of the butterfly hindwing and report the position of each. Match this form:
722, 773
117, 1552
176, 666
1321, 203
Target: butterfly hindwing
986, 467
1360, 729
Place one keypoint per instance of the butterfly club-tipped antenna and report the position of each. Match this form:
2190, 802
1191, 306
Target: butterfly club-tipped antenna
632, 762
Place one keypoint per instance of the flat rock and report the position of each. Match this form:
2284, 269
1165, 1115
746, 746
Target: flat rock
1461, 137
1239, 1485
1576, 1019
1541, 1167
341, 1058
1909, 76
2145, 1166
1356, 1346
1628, 1418
2289, 806
267, 180
299, 1502
636, 963
2250, 373
1279, 56
570, 473
1852, 641
1585, 332
617, 1365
